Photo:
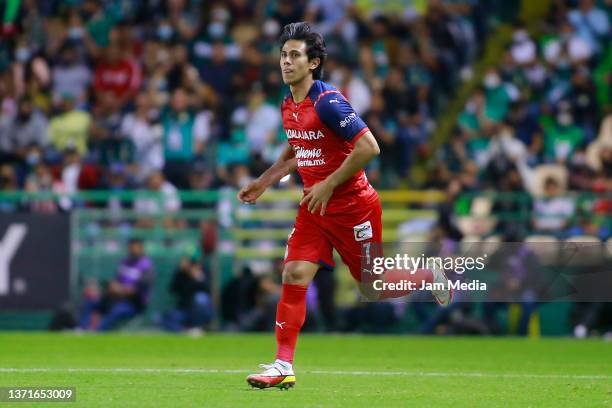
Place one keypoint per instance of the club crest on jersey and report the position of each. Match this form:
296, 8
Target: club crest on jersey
363, 231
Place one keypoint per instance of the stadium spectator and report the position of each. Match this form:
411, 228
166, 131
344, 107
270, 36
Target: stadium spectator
567, 48
352, 86
118, 74
8, 183
117, 179
70, 75
166, 202
259, 118
70, 129
562, 137
552, 213
29, 128
184, 137
201, 177
249, 301
591, 24
125, 296
333, 18
528, 130
192, 294
41, 180
72, 167
143, 129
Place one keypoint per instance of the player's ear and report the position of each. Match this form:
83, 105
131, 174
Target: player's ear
315, 63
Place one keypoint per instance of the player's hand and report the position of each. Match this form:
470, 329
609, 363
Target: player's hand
318, 196
251, 192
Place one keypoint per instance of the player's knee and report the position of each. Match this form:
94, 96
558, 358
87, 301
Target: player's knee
296, 274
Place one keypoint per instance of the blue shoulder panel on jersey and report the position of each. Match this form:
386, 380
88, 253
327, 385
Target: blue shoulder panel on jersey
336, 112
286, 98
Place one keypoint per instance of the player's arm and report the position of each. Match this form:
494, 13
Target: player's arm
365, 149
285, 164
335, 111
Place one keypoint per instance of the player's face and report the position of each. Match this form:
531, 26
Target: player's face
294, 62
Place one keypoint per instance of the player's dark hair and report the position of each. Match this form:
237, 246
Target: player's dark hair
315, 45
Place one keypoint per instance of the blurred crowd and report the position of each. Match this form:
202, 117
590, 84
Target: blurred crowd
540, 123
125, 94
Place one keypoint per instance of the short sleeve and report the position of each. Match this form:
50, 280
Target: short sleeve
337, 114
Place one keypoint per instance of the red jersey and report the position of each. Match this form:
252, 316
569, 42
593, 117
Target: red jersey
120, 78
322, 130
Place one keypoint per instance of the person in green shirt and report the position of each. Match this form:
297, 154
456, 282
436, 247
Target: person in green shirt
562, 137
496, 96
184, 137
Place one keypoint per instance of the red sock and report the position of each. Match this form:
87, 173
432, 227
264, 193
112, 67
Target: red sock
398, 275
290, 316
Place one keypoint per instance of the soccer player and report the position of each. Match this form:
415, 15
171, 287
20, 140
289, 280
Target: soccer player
329, 145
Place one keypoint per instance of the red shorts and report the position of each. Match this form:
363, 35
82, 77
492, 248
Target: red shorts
314, 236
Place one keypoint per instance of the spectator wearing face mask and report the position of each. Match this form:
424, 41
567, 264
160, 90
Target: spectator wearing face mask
523, 48
28, 128
184, 137
562, 136
70, 76
496, 95
142, 127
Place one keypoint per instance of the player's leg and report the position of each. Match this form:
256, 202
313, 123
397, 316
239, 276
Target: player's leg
305, 249
290, 316
393, 283
291, 308
358, 239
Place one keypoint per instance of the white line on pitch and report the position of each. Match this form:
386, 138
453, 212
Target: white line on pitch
321, 372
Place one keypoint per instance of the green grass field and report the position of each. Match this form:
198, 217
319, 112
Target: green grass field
149, 370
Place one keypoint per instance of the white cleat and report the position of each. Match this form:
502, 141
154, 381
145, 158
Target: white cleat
444, 297
277, 374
